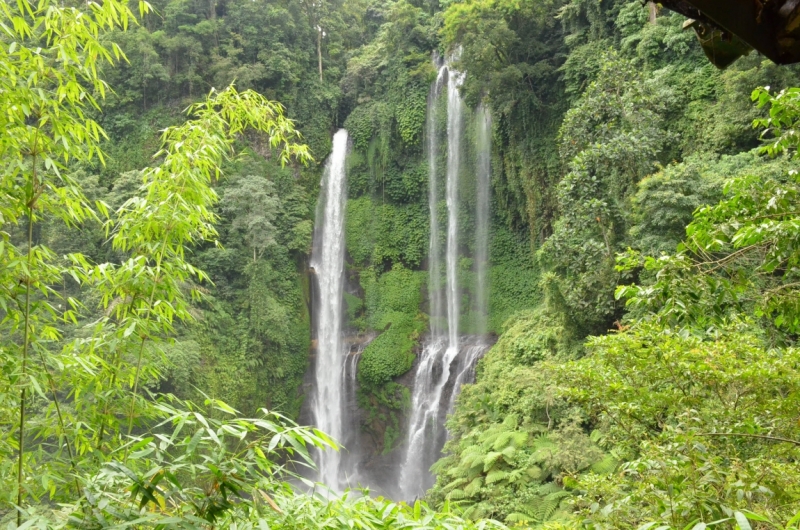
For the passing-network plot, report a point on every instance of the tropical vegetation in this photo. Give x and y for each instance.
(160, 168)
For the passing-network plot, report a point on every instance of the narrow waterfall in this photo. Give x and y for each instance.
(351, 467)
(434, 252)
(483, 148)
(455, 113)
(327, 262)
(440, 356)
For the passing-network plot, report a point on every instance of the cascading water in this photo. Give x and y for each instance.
(455, 113)
(434, 255)
(443, 365)
(483, 148)
(473, 350)
(351, 466)
(447, 360)
(327, 261)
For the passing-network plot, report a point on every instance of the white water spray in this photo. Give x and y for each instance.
(327, 261)
(455, 112)
(426, 432)
(483, 141)
(434, 252)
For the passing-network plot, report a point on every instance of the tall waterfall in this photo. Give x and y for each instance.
(434, 255)
(443, 364)
(483, 148)
(455, 113)
(327, 261)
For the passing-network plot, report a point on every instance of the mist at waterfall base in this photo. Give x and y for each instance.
(445, 358)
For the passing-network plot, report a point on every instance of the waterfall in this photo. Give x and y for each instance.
(441, 357)
(434, 256)
(327, 262)
(455, 112)
(351, 467)
(483, 148)
(447, 359)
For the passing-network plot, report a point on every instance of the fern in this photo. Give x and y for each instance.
(476, 511)
(535, 473)
(490, 460)
(443, 465)
(545, 504)
(496, 476)
(508, 453)
(458, 472)
(543, 448)
(511, 421)
(456, 483)
(502, 440)
(478, 461)
(474, 487)
(456, 495)
(518, 517)
(518, 476)
(606, 466)
(548, 489)
(546, 508)
(550, 504)
(520, 438)
(475, 472)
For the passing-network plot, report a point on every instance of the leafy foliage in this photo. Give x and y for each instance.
(662, 410)
(705, 426)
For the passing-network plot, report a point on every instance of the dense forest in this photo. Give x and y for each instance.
(159, 204)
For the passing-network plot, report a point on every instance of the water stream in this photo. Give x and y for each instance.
(434, 252)
(483, 148)
(447, 360)
(327, 262)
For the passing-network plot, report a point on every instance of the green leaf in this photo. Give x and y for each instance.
(741, 521)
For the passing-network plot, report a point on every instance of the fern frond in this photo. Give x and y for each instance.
(459, 472)
(502, 440)
(518, 476)
(490, 460)
(476, 511)
(511, 421)
(496, 476)
(557, 495)
(444, 465)
(546, 509)
(606, 466)
(456, 483)
(520, 438)
(477, 460)
(474, 487)
(475, 472)
(547, 489)
(543, 448)
(535, 473)
(518, 517)
(456, 495)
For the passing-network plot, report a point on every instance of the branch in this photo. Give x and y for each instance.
(760, 436)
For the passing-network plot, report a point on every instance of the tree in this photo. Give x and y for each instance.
(50, 80)
(609, 141)
(316, 10)
(253, 206)
(741, 254)
(49, 60)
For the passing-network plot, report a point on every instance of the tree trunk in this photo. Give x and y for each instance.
(319, 51)
(653, 11)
